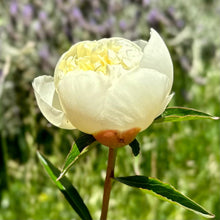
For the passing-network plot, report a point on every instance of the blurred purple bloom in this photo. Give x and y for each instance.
(153, 17)
(38, 29)
(171, 10)
(13, 8)
(76, 13)
(122, 24)
(44, 53)
(180, 23)
(111, 20)
(97, 12)
(146, 2)
(28, 11)
(101, 29)
(42, 16)
(92, 21)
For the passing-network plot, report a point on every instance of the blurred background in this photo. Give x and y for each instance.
(34, 34)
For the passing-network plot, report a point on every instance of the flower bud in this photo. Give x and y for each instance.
(111, 88)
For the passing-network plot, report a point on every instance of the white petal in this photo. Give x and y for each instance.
(141, 44)
(93, 102)
(157, 57)
(48, 102)
(137, 99)
(82, 94)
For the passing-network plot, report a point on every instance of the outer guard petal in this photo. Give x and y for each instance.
(136, 99)
(157, 57)
(48, 102)
(82, 94)
(95, 103)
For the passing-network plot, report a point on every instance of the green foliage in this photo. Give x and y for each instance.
(160, 189)
(174, 114)
(81, 145)
(65, 186)
(164, 191)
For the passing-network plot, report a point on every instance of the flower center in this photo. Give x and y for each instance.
(98, 55)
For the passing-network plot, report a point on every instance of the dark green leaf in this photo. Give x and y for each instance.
(135, 147)
(84, 140)
(183, 114)
(65, 186)
(164, 191)
(79, 148)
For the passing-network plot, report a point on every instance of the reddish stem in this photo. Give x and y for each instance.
(108, 182)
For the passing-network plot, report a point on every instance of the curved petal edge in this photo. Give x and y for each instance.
(156, 56)
(48, 102)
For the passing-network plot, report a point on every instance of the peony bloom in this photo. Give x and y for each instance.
(111, 88)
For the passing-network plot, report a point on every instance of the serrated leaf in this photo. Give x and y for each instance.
(78, 149)
(165, 192)
(65, 186)
(173, 114)
(135, 146)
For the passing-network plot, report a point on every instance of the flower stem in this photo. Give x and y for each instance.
(108, 182)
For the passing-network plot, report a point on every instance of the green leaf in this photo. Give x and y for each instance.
(79, 148)
(135, 146)
(173, 114)
(65, 186)
(164, 191)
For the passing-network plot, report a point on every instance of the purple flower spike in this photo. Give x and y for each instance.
(154, 17)
(28, 11)
(76, 13)
(43, 16)
(122, 24)
(13, 8)
(44, 53)
(180, 23)
(146, 2)
(171, 11)
(97, 12)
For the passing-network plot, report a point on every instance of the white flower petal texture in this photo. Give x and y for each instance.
(111, 88)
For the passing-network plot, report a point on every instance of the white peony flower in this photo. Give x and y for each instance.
(111, 88)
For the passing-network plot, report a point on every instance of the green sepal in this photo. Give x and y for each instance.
(135, 146)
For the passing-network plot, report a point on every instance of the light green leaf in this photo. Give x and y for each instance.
(164, 191)
(65, 186)
(173, 114)
(79, 148)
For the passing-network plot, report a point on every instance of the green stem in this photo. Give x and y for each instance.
(108, 182)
